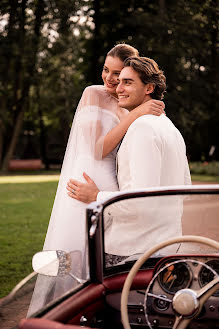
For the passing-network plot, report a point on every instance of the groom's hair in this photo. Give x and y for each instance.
(149, 72)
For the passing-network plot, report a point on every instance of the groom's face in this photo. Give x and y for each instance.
(131, 90)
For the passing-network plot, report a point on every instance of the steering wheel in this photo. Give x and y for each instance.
(185, 301)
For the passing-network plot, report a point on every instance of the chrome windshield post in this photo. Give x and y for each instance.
(95, 241)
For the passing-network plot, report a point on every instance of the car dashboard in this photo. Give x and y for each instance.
(170, 275)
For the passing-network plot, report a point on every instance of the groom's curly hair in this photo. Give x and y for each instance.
(149, 72)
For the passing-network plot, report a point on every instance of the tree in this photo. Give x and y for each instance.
(41, 36)
(51, 53)
(24, 67)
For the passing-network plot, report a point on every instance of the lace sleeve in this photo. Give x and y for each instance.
(94, 118)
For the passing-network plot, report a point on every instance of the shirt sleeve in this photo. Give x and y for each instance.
(104, 195)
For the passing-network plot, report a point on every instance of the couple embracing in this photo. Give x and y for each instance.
(152, 153)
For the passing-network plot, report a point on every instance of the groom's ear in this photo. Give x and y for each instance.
(149, 88)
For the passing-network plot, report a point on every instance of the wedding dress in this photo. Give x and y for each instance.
(96, 115)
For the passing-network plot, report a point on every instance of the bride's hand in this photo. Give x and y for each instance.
(84, 192)
(152, 106)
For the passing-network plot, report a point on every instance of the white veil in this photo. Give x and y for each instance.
(96, 115)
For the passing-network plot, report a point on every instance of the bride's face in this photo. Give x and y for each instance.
(110, 74)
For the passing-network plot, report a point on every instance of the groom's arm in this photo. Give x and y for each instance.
(103, 195)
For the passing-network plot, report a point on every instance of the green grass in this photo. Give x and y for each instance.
(25, 206)
(24, 215)
(205, 178)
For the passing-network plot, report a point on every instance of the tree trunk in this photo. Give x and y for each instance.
(29, 69)
(8, 59)
(43, 139)
(162, 8)
(16, 132)
(214, 122)
(1, 141)
(96, 41)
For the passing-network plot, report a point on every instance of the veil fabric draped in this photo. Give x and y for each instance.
(95, 116)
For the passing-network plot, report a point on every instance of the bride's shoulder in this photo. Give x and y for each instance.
(97, 95)
(95, 90)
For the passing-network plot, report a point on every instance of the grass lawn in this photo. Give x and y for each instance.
(205, 178)
(25, 206)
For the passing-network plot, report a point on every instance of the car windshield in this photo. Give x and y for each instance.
(134, 225)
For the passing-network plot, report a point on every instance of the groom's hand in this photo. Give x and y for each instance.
(84, 192)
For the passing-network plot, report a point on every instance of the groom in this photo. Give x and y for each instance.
(153, 151)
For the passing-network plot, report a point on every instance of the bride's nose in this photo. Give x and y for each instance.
(109, 77)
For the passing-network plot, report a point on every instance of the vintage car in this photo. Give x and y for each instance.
(168, 278)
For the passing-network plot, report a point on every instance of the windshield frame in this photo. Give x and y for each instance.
(98, 271)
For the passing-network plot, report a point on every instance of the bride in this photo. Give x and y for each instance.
(98, 127)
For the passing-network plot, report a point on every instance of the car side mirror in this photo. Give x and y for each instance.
(51, 263)
(56, 263)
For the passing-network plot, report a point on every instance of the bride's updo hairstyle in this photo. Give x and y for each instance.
(123, 51)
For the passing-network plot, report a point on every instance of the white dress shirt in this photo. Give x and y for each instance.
(152, 154)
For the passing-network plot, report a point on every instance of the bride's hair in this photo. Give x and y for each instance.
(123, 51)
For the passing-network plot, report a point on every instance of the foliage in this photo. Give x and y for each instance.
(40, 69)
(50, 50)
(205, 168)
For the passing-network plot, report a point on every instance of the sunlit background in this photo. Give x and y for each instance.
(50, 50)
